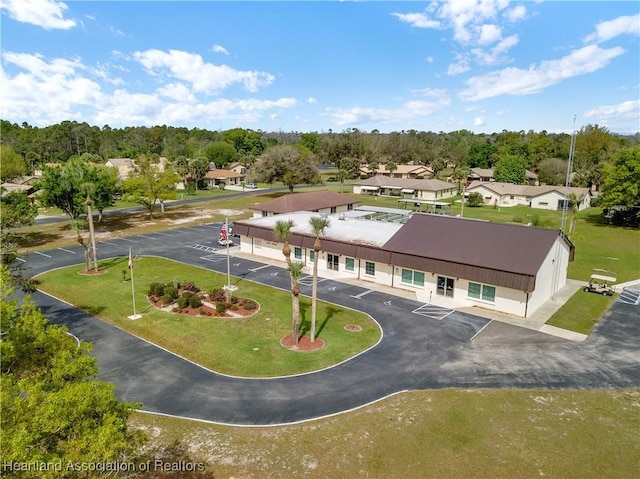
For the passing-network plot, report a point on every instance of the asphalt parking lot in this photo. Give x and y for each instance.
(423, 347)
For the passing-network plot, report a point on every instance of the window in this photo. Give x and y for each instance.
(370, 268)
(349, 207)
(334, 209)
(482, 291)
(312, 256)
(445, 286)
(265, 213)
(297, 253)
(415, 278)
(333, 261)
(349, 264)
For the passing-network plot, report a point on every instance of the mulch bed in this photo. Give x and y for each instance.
(207, 309)
(304, 343)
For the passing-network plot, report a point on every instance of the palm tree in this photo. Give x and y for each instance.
(295, 271)
(281, 233)
(574, 203)
(319, 226)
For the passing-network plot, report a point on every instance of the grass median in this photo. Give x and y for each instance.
(248, 347)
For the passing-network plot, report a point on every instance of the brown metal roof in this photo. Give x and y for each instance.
(308, 201)
(492, 253)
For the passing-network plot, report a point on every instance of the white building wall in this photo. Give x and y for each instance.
(507, 300)
(545, 279)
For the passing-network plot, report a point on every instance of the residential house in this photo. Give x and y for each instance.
(541, 197)
(406, 188)
(324, 201)
(486, 174)
(401, 171)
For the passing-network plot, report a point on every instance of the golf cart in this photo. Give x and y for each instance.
(600, 285)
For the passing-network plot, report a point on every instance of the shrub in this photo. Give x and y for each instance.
(183, 301)
(195, 301)
(475, 199)
(153, 287)
(234, 299)
(171, 291)
(216, 295)
(221, 307)
(166, 300)
(249, 304)
(234, 307)
(201, 311)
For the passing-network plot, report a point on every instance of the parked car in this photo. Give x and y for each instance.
(600, 285)
(250, 186)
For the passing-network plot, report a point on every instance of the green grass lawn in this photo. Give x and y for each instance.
(428, 434)
(238, 346)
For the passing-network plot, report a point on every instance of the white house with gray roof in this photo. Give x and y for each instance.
(541, 197)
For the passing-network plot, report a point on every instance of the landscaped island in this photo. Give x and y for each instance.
(235, 344)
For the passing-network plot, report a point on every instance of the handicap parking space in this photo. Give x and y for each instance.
(433, 311)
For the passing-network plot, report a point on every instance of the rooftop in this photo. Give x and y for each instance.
(308, 201)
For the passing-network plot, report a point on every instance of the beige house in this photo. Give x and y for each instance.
(541, 197)
(213, 178)
(324, 201)
(406, 188)
(486, 174)
(401, 171)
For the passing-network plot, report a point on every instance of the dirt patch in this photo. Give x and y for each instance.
(353, 328)
(91, 272)
(304, 343)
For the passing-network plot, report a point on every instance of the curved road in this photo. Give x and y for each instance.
(421, 348)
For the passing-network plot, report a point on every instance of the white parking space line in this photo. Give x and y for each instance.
(364, 293)
(259, 267)
(481, 329)
(629, 296)
(434, 312)
(202, 247)
(23, 260)
(106, 242)
(126, 239)
(42, 254)
(150, 237)
(308, 280)
(214, 258)
(162, 234)
(68, 251)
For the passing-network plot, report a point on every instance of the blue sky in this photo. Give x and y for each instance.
(484, 66)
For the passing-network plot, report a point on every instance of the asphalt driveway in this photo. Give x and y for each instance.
(417, 351)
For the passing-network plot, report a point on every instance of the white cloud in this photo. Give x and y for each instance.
(478, 121)
(203, 77)
(625, 110)
(48, 14)
(517, 81)
(613, 28)
(489, 34)
(311, 100)
(219, 49)
(418, 20)
(45, 92)
(519, 12)
(408, 111)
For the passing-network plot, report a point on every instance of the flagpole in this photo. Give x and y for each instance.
(133, 290)
(229, 288)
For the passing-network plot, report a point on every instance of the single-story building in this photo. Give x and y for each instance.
(323, 201)
(405, 188)
(541, 197)
(213, 178)
(401, 171)
(447, 261)
(486, 174)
